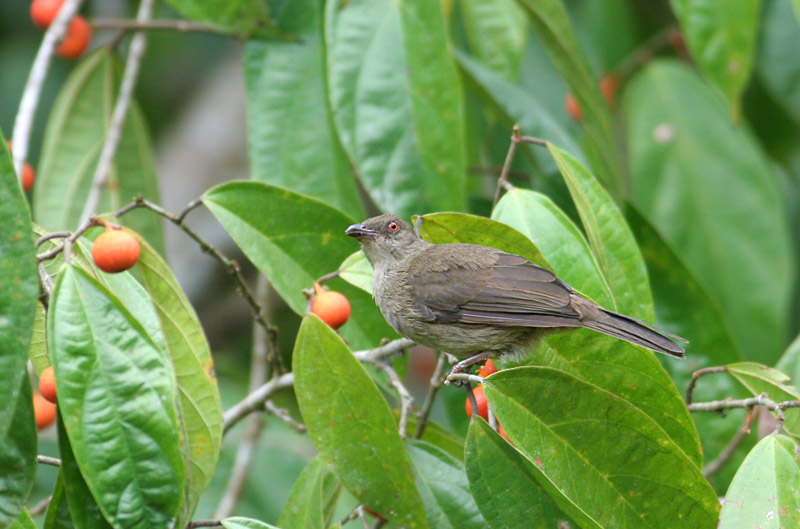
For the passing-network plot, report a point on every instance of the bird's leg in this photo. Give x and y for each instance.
(465, 364)
(472, 402)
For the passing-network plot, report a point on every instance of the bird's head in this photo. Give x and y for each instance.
(386, 239)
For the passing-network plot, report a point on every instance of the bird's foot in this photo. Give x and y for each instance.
(458, 375)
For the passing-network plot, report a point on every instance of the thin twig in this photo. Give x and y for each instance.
(40, 507)
(150, 25)
(722, 459)
(645, 52)
(406, 400)
(696, 376)
(433, 389)
(23, 123)
(255, 400)
(395, 347)
(204, 523)
(285, 416)
(47, 460)
(254, 423)
(54, 235)
(463, 376)
(516, 139)
(762, 400)
(114, 132)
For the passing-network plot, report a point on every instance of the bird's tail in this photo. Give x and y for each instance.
(636, 332)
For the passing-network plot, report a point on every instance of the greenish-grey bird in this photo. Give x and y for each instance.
(476, 301)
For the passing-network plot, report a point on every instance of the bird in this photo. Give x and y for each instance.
(477, 302)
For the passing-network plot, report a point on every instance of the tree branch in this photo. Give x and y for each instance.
(406, 400)
(741, 434)
(433, 389)
(114, 133)
(150, 25)
(696, 376)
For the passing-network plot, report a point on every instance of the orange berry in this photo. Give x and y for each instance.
(480, 399)
(115, 250)
(573, 109)
(43, 12)
(332, 307)
(77, 39)
(47, 384)
(44, 411)
(487, 369)
(502, 433)
(28, 176)
(608, 86)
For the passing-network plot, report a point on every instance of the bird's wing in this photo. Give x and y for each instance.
(463, 283)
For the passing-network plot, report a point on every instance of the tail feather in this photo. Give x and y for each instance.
(636, 332)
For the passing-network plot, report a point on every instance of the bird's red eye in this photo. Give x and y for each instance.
(393, 226)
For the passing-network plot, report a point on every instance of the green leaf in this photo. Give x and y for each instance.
(240, 17)
(519, 105)
(239, 522)
(117, 397)
(539, 219)
(291, 137)
(764, 492)
(37, 351)
(76, 130)
(19, 292)
(722, 40)
(305, 507)
(23, 521)
(18, 443)
(790, 361)
(436, 435)
(777, 63)
(199, 405)
(603, 461)
(397, 102)
(549, 19)
(443, 485)
(440, 228)
(293, 240)
(504, 485)
(83, 509)
(689, 162)
(758, 379)
(351, 425)
(496, 31)
(610, 238)
(357, 271)
(58, 515)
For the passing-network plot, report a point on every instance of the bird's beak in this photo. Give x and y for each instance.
(360, 231)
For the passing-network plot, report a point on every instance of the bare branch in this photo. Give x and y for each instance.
(741, 434)
(516, 139)
(114, 133)
(406, 400)
(761, 400)
(433, 389)
(47, 460)
(40, 507)
(696, 376)
(23, 123)
(255, 400)
(150, 25)
(285, 416)
(373, 356)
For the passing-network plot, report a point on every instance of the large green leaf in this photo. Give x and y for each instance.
(539, 219)
(199, 405)
(75, 133)
(239, 522)
(504, 485)
(58, 515)
(709, 189)
(293, 240)
(758, 379)
(18, 443)
(351, 425)
(604, 462)
(291, 138)
(778, 64)
(443, 485)
(17, 310)
(623, 369)
(397, 102)
(23, 521)
(549, 18)
(764, 493)
(83, 509)
(496, 31)
(242, 17)
(117, 397)
(610, 238)
(441, 228)
(684, 307)
(721, 37)
(790, 361)
(305, 507)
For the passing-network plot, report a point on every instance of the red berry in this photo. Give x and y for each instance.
(573, 109)
(47, 384)
(115, 250)
(480, 399)
(28, 174)
(43, 12)
(332, 307)
(608, 86)
(487, 369)
(43, 411)
(77, 39)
